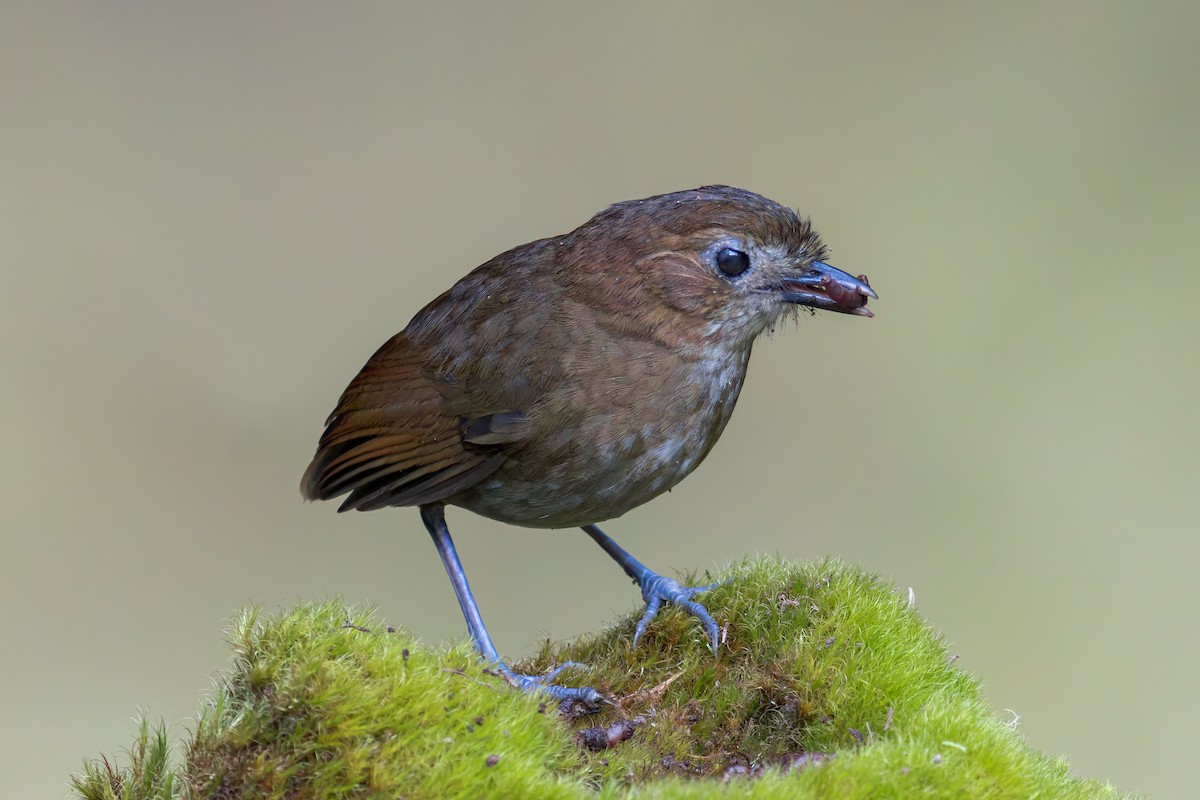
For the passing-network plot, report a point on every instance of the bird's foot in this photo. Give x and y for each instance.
(658, 589)
(538, 683)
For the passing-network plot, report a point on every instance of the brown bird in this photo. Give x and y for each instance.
(573, 378)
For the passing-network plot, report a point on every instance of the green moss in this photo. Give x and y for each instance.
(148, 775)
(324, 702)
(826, 684)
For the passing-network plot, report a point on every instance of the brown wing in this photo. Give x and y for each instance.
(392, 442)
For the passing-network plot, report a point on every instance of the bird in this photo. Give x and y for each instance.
(568, 380)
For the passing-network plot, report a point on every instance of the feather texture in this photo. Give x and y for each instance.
(392, 441)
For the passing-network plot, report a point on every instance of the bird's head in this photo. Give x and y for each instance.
(728, 261)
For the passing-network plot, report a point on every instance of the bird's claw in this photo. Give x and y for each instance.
(658, 589)
(538, 683)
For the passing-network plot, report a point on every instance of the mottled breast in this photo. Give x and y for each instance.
(629, 439)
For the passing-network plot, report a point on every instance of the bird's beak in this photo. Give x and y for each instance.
(825, 287)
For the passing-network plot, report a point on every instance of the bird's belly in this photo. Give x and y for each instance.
(582, 490)
(608, 463)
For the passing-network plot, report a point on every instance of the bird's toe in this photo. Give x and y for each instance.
(658, 589)
(541, 683)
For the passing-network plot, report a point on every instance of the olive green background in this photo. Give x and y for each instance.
(212, 213)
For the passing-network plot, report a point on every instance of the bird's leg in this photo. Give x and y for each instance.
(435, 521)
(656, 589)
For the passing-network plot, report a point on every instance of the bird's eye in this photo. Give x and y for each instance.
(732, 262)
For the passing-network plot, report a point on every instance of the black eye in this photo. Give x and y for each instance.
(732, 262)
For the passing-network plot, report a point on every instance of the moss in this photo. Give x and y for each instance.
(826, 684)
(148, 775)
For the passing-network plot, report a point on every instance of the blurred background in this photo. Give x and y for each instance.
(213, 213)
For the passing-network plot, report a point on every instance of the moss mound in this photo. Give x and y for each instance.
(826, 684)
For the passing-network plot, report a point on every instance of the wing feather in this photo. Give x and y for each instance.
(392, 441)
